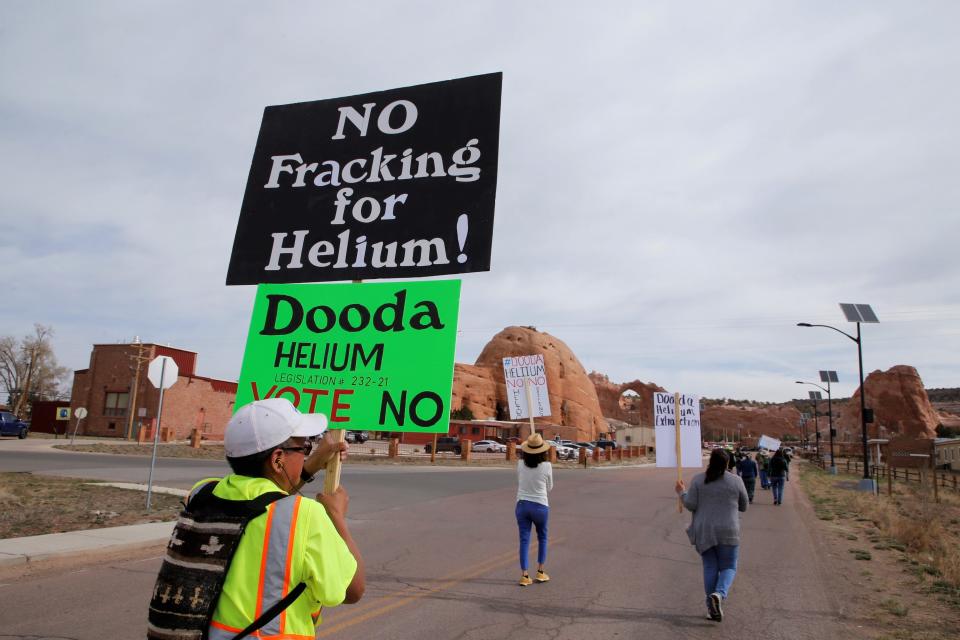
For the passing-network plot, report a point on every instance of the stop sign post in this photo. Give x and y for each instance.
(162, 373)
(79, 413)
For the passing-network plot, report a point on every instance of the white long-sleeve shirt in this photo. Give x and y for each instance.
(533, 484)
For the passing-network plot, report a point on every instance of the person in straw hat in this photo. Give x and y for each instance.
(534, 481)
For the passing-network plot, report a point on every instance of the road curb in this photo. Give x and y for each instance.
(51, 546)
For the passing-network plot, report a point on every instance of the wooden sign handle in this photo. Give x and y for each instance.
(526, 386)
(676, 426)
(331, 479)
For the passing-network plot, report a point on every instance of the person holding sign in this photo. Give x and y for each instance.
(280, 551)
(534, 481)
(715, 497)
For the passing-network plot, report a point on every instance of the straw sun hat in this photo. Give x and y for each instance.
(534, 444)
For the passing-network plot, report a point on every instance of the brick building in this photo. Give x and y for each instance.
(106, 390)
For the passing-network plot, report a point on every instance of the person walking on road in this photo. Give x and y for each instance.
(779, 474)
(763, 461)
(715, 498)
(534, 481)
(747, 470)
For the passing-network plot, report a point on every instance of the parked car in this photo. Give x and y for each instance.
(563, 452)
(606, 444)
(11, 425)
(486, 446)
(576, 446)
(445, 443)
(358, 437)
(588, 446)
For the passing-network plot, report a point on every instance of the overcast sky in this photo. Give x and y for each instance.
(679, 183)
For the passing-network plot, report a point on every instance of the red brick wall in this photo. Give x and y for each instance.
(193, 402)
(43, 417)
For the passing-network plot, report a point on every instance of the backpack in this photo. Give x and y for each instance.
(191, 577)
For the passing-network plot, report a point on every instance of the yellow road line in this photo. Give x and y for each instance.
(412, 594)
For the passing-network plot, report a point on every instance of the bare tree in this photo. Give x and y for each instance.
(29, 369)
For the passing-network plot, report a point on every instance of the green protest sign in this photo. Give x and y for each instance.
(375, 356)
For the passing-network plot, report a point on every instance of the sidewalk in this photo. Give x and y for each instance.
(14, 551)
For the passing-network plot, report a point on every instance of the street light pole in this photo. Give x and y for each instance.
(863, 409)
(833, 461)
(857, 313)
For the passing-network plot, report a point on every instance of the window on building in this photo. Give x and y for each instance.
(115, 403)
(476, 430)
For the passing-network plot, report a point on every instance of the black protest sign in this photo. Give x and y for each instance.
(392, 184)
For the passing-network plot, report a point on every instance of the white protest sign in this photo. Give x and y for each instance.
(520, 372)
(664, 415)
(766, 442)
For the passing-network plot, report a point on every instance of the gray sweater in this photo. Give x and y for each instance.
(714, 506)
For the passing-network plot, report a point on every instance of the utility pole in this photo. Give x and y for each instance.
(25, 392)
(138, 359)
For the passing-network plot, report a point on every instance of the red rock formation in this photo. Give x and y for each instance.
(775, 421)
(635, 410)
(573, 398)
(476, 389)
(900, 406)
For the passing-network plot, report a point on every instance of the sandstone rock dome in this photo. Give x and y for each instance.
(573, 398)
(900, 406)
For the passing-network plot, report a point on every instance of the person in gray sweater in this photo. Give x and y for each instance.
(715, 498)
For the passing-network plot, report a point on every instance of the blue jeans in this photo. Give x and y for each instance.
(764, 481)
(719, 569)
(532, 513)
(777, 483)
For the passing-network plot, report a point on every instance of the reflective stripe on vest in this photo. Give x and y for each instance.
(275, 566)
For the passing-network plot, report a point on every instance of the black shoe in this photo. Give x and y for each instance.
(716, 609)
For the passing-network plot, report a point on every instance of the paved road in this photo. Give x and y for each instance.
(440, 548)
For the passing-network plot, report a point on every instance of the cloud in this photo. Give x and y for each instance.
(676, 189)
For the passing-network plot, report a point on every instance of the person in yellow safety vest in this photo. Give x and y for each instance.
(268, 446)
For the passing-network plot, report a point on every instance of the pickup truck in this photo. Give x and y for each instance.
(11, 425)
(445, 444)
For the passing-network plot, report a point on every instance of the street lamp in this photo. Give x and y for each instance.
(815, 395)
(857, 313)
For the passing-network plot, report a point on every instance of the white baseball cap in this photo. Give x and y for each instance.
(265, 424)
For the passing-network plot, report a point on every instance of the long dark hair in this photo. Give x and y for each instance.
(717, 465)
(533, 459)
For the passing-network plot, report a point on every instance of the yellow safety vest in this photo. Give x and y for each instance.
(293, 542)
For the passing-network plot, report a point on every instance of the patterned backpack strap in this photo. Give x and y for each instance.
(199, 553)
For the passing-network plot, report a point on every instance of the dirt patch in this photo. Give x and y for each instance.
(897, 555)
(206, 452)
(33, 505)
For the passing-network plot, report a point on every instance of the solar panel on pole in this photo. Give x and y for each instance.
(828, 376)
(858, 312)
(815, 395)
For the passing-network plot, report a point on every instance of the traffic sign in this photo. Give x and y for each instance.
(80, 413)
(162, 372)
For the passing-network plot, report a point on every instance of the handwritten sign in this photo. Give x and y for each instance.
(519, 371)
(664, 422)
(766, 442)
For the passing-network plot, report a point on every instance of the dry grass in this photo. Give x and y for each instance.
(33, 505)
(910, 521)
